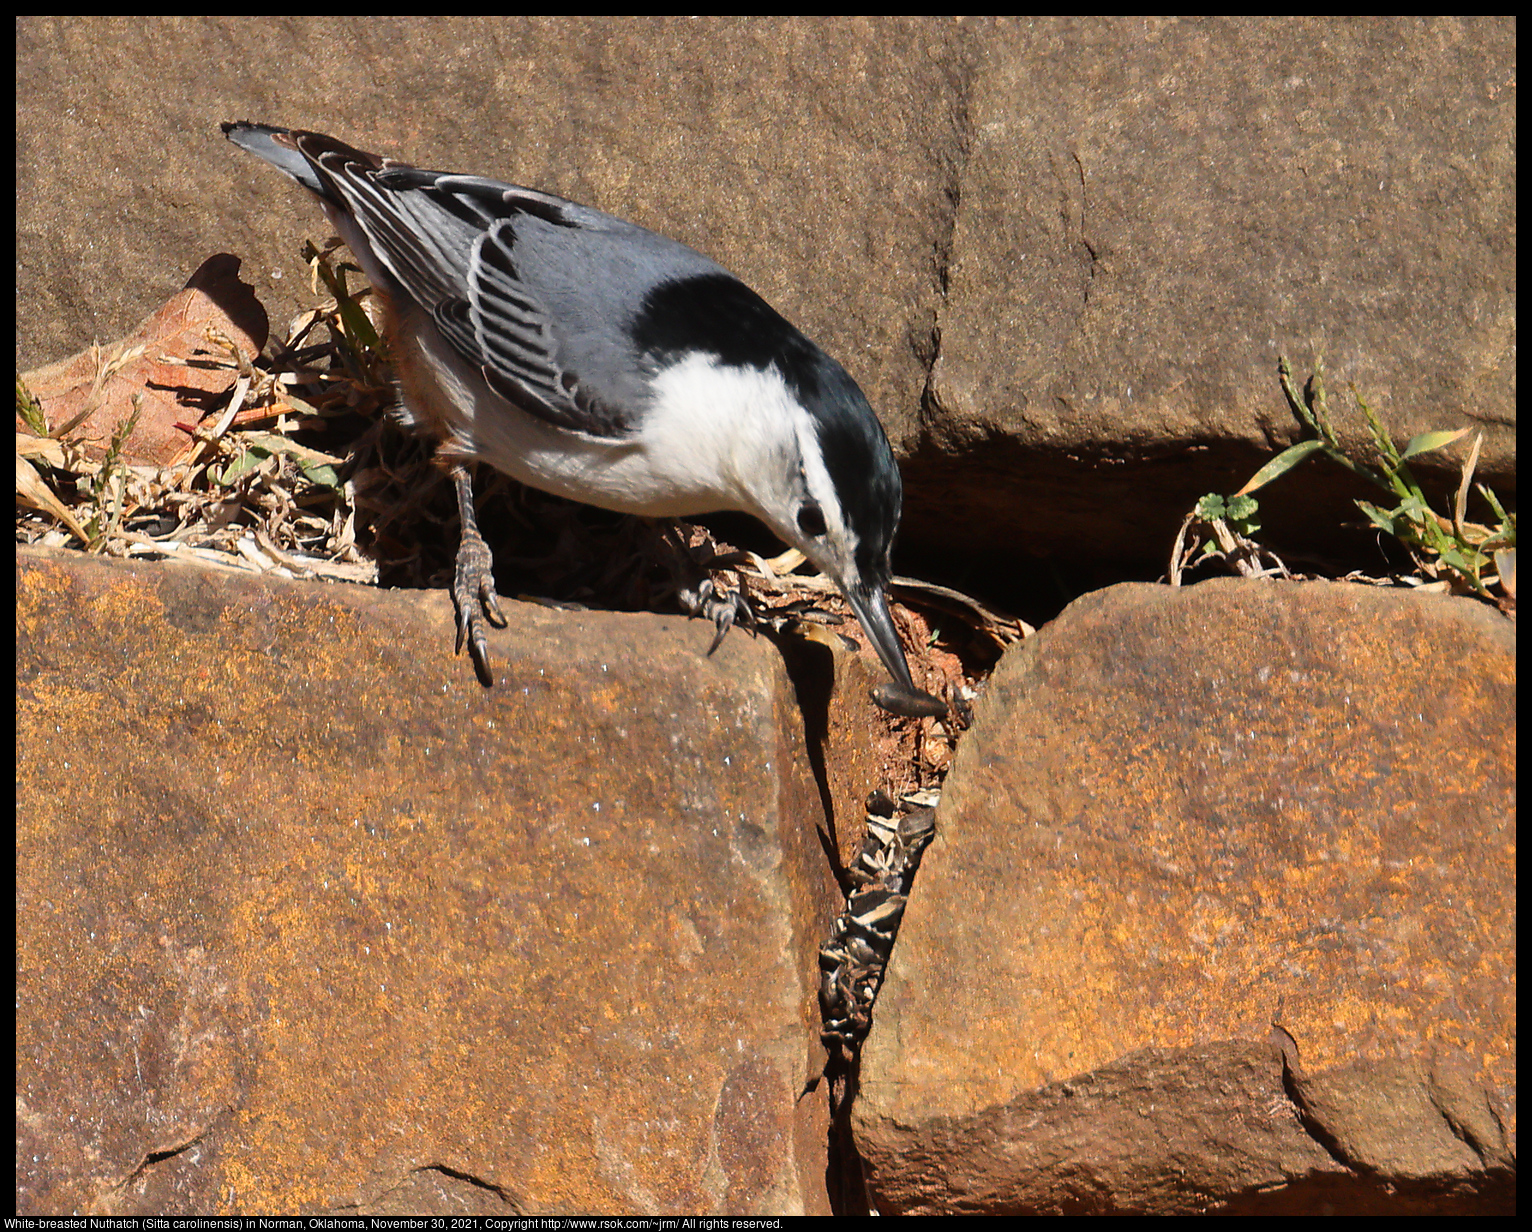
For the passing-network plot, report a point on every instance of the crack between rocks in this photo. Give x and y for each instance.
(1095, 261)
(1484, 1152)
(946, 240)
(1311, 1123)
(155, 1157)
(477, 1182)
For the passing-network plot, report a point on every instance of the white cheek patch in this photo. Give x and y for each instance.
(740, 423)
(746, 425)
(821, 489)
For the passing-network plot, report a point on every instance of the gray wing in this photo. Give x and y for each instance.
(533, 290)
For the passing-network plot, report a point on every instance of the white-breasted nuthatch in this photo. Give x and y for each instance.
(594, 359)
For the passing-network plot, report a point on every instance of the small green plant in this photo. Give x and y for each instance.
(39, 449)
(1467, 555)
(105, 485)
(109, 486)
(30, 410)
(361, 346)
(256, 447)
(245, 491)
(1463, 555)
(1238, 511)
(1223, 528)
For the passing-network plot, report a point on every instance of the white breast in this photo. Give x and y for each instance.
(712, 439)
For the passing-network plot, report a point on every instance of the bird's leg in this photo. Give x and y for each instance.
(473, 584)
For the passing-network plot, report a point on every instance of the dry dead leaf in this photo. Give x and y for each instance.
(32, 492)
(169, 359)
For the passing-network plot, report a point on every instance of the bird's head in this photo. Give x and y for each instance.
(841, 508)
(798, 446)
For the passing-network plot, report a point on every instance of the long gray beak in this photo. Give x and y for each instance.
(901, 697)
(871, 608)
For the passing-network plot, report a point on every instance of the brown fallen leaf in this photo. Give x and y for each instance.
(169, 359)
(32, 492)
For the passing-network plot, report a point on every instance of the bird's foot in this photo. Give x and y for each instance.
(708, 601)
(473, 584)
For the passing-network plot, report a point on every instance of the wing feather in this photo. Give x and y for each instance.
(449, 242)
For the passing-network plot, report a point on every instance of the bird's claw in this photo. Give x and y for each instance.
(473, 593)
(723, 610)
(473, 585)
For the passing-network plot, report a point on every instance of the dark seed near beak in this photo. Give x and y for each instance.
(908, 703)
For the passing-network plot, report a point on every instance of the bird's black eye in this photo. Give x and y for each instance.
(811, 520)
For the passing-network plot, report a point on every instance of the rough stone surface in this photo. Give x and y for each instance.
(308, 921)
(1273, 816)
(814, 158)
(1153, 209)
(1060, 254)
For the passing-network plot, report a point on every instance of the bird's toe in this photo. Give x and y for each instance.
(473, 594)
